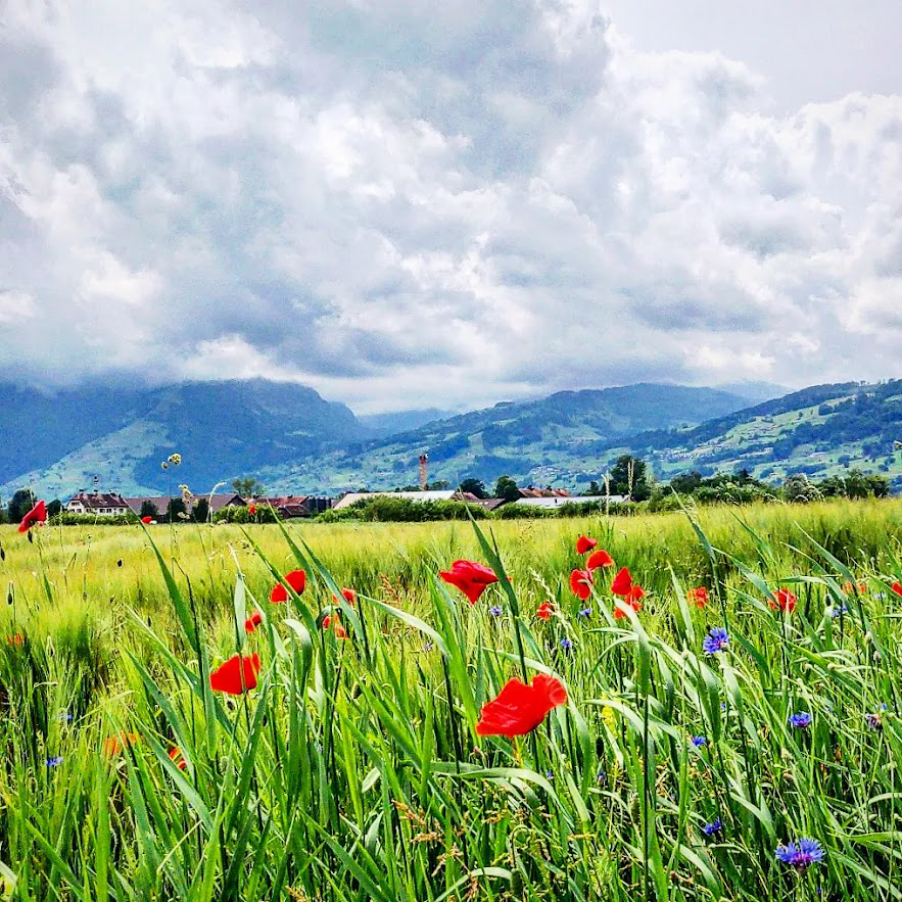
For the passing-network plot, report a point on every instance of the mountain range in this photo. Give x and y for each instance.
(58, 443)
(295, 441)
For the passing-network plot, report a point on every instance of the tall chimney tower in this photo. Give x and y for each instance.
(424, 459)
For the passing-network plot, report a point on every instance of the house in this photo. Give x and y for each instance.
(443, 495)
(101, 504)
(218, 502)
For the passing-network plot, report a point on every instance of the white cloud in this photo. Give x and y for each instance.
(16, 305)
(402, 205)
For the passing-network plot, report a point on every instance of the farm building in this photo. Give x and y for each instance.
(103, 504)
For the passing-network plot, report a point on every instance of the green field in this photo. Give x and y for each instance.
(353, 770)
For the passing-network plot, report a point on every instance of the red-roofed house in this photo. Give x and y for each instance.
(102, 504)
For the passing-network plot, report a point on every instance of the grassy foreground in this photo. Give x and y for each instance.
(353, 770)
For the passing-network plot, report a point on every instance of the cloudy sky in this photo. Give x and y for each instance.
(408, 204)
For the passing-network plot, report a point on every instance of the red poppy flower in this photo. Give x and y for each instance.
(16, 639)
(624, 586)
(253, 622)
(584, 544)
(350, 596)
(546, 609)
(175, 755)
(146, 520)
(117, 742)
(297, 579)
(623, 582)
(581, 583)
(227, 677)
(631, 601)
(784, 600)
(38, 514)
(470, 577)
(698, 596)
(897, 588)
(336, 624)
(851, 588)
(520, 708)
(252, 509)
(598, 559)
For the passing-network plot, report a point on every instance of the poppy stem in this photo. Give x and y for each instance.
(458, 752)
(520, 650)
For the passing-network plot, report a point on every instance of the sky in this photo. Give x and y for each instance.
(408, 204)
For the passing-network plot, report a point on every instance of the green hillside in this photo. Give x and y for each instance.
(820, 431)
(221, 429)
(293, 440)
(547, 440)
(572, 438)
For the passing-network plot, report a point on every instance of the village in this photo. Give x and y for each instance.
(291, 507)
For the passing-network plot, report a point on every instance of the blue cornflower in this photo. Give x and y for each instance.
(713, 828)
(873, 721)
(699, 741)
(800, 854)
(585, 612)
(601, 777)
(549, 774)
(65, 715)
(716, 640)
(566, 644)
(54, 762)
(428, 646)
(838, 611)
(496, 610)
(800, 721)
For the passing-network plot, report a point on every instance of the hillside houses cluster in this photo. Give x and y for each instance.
(289, 507)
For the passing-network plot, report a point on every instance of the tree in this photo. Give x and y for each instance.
(22, 502)
(507, 489)
(440, 485)
(176, 506)
(686, 483)
(628, 477)
(248, 486)
(200, 513)
(800, 489)
(149, 509)
(474, 486)
(54, 508)
(855, 484)
(879, 485)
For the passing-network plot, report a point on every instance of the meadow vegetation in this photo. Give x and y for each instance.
(686, 764)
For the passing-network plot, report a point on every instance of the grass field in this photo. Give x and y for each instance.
(353, 769)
